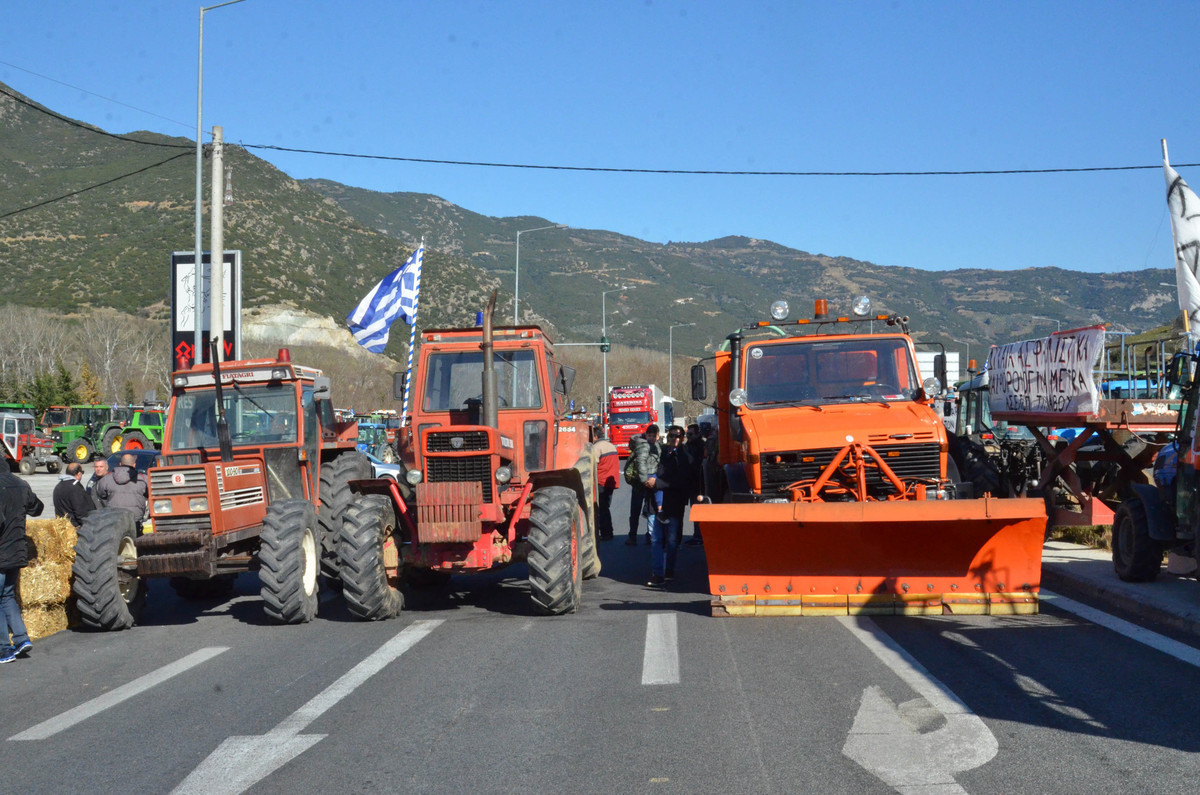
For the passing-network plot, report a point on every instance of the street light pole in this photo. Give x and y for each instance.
(198, 251)
(671, 355)
(517, 270)
(604, 332)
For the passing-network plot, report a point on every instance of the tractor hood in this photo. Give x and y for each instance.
(808, 427)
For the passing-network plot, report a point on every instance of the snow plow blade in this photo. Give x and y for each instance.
(920, 557)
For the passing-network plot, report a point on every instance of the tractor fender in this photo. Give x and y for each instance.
(1159, 523)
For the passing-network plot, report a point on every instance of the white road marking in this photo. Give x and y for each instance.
(66, 720)
(888, 740)
(1180, 651)
(660, 662)
(240, 762)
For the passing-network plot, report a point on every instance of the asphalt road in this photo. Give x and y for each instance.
(641, 691)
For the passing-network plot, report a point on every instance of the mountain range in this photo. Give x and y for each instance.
(89, 219)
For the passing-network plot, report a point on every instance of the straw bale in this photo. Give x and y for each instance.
(46, 620)
(53, 540)
(44, 584)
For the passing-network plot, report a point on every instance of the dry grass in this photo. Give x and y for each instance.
(44, 590)
(1095, 536)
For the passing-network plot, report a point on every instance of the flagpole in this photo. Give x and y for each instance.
(412, 341)
(1167, 162)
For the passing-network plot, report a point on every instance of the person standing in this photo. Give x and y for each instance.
(17, 501)
(694, 443)
(99, 470)
(644, 449)
(124, 488)
(70, 498)
(608, 480)
(671, 488)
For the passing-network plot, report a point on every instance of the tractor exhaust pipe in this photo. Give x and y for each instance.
(491, 389)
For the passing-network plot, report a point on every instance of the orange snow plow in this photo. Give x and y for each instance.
(834, 494)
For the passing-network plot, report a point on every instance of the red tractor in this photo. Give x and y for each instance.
(254, 474)
(495, 473)
(24, 446)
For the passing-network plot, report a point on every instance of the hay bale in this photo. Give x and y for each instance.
(53, 540)
(44, 620)
(44, 584)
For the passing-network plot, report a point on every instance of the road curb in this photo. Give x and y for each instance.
(1118, 599)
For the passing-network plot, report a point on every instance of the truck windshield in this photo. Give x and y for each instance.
(257, 414)
(54, 417)
(630, 418)
(454, 379)
(833, 372)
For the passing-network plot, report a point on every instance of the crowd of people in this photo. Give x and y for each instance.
(665, 476)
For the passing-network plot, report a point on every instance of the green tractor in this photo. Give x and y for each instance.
(79, 431)
(143, 431)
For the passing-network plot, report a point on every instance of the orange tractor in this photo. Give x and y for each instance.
(493, 473)
(834, 492)
(254, 474)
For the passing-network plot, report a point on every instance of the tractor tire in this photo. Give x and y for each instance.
(112, 442)
(1136, 556)
(555, 574)
(202, 590)
(335, 497)
(53, 466)
(108, 598)
(589, 558)
(386, 453)
(367, 528)
(80, 451)
(135, 440)
(289, 558)
(27, 466)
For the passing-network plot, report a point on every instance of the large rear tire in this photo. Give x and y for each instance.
(136, 440)
(555, 527)
(80, 451)
(289, 559)
(108, 597)
(589, 558)
(368, 527)
(1136, 556)
(335, 497)
(112, 441)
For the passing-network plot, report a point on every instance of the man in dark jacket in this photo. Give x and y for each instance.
(671, 488)
(644, 449)
(124, 488)
(16, 501)
(70, 498)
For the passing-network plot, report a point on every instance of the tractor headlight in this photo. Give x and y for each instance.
(180, 380)
(503, 474)
(862, 307)
(414, 476)
(737, 397)
(779, 310)
(162, 506)
(932, 386)
(198, 504)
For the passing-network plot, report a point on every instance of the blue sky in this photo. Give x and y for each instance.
(658, 84)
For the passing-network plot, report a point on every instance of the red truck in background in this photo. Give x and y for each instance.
(632, 408)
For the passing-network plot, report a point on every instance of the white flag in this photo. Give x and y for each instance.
(1184, 206)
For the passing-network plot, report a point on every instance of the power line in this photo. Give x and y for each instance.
(92, 187)
(82, 126)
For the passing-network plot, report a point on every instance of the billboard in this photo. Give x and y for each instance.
(183, 306)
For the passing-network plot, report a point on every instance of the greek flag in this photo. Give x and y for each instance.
(394, 297)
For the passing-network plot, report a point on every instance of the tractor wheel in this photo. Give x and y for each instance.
(335, 497)
(53, 466)
(80, 451)
(367, 533)
(135, 440)
(108, 597)
(112, 441)
(27, 466)
(215, 588)
(289, 558)
(589, 558)
(555, 527)
(1136, 556)
(386, 453)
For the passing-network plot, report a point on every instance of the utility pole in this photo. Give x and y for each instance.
(217, 322)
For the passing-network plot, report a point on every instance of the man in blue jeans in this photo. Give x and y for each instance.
(667, 499)
(16, 500)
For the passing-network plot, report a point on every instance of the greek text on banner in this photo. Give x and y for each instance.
(1051, 375)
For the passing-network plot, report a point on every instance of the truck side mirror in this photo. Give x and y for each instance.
(565, 380)
(939, 369)
(321, 387)
(1179, 370)
(699, 382)
(397, 386)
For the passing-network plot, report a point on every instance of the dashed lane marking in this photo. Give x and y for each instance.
(660, 661)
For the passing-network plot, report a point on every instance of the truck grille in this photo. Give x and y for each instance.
(163, 481)
(461, 469)
(442, 442)
(913, 461)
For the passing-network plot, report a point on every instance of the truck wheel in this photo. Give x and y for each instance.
(335, 496)
(1136, 556)
(135, 440)
(589, 558)
(27, 466)
(52, 466)
(215, 588)
(81, 451)
(108, 597)
(289, 558)
(367, 529)
(112, 441)
(555, 527)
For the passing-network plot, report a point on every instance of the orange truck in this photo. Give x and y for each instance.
(494, 472)
(835, 494)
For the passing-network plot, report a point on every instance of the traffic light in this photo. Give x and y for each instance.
(605, 346)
